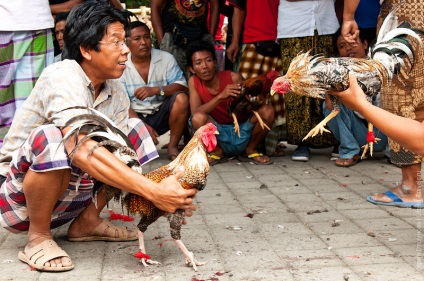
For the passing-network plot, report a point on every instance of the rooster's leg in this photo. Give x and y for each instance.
(320, 127)
(190, 261)
(370, 141)
(144, 261)
(261, 122)
(236, 125)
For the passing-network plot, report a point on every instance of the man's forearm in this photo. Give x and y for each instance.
(350, 9)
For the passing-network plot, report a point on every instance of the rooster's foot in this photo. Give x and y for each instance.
(369, 145)
(319, 129)
(236, 125)
(191, 262)
(260, 121)
(146, 262)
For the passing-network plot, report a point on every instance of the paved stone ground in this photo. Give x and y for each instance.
(287, 221)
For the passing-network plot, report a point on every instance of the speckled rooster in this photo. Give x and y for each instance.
(193, 158)
(313, 76)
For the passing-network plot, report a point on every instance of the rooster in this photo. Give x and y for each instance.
(193, 158)
(252, 95)
(313, 76)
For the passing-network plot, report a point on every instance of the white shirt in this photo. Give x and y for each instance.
(301, 18)
(19, 15)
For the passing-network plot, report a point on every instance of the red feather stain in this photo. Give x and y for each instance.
(114, 216)
(249, 215)
(343, 184)
(141, 255)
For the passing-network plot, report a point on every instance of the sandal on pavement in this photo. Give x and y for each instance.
(44, 252)
(347, 162)
(253, 158)
(397, 202)
(215, 159)
(106, 231)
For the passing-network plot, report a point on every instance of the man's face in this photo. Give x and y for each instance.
(59, 28)
(109, 62)
(140, 42)
(355, 50)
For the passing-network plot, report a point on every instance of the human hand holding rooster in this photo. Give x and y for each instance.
(170, 196)
(231, 90)
(354, 97)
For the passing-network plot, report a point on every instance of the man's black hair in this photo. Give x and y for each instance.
(86, 25)
(61, 16)
(197, 46)
(137, 23)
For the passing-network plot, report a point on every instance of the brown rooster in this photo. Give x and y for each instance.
(313, 76)
(253, 93)
(193, 158)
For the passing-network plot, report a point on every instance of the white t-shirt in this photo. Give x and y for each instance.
(301, 18)
(19, 15)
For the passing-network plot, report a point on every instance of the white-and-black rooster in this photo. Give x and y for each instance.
(313, 76)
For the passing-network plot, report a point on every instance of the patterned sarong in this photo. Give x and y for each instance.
(405, 95)
(23, 56)
(43, 152)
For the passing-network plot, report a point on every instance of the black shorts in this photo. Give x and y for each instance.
(160, 119)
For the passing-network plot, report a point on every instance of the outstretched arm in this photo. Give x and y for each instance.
(407, 132)
(168, 195)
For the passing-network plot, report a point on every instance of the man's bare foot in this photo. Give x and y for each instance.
(403, 192)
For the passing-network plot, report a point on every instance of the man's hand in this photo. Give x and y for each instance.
(232, 51)
(170, 196)
(353, 97)
(231, 90)
(350, 31)
(145, 92)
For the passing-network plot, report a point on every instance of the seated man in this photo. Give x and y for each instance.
(349, 127)
(40, 188)
(156, 87)
(210, 92)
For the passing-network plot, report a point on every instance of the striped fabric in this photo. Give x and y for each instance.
(23, 56)
(43, 152)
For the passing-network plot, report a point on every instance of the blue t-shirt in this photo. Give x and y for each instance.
(366, 14)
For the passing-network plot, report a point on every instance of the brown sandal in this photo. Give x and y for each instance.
(347, 162)
(106, 231)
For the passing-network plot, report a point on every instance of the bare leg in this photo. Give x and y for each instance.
(409, 190)
(177, 122)
(236, 124)
(89, 219)
(42, 190)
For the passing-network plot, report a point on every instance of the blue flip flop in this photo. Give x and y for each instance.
(397, 202)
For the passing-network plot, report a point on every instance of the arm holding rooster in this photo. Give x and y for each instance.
(405, 131)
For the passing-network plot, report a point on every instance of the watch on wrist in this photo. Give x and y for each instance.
(162, 92)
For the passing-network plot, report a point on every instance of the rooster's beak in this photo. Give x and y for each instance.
(272, 92)
(216, 133)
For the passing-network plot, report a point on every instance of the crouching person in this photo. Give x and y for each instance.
(40, 188)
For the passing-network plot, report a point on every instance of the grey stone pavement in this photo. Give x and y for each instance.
(287, 221)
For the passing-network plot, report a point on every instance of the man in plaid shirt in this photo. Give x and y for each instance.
(40, 188)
